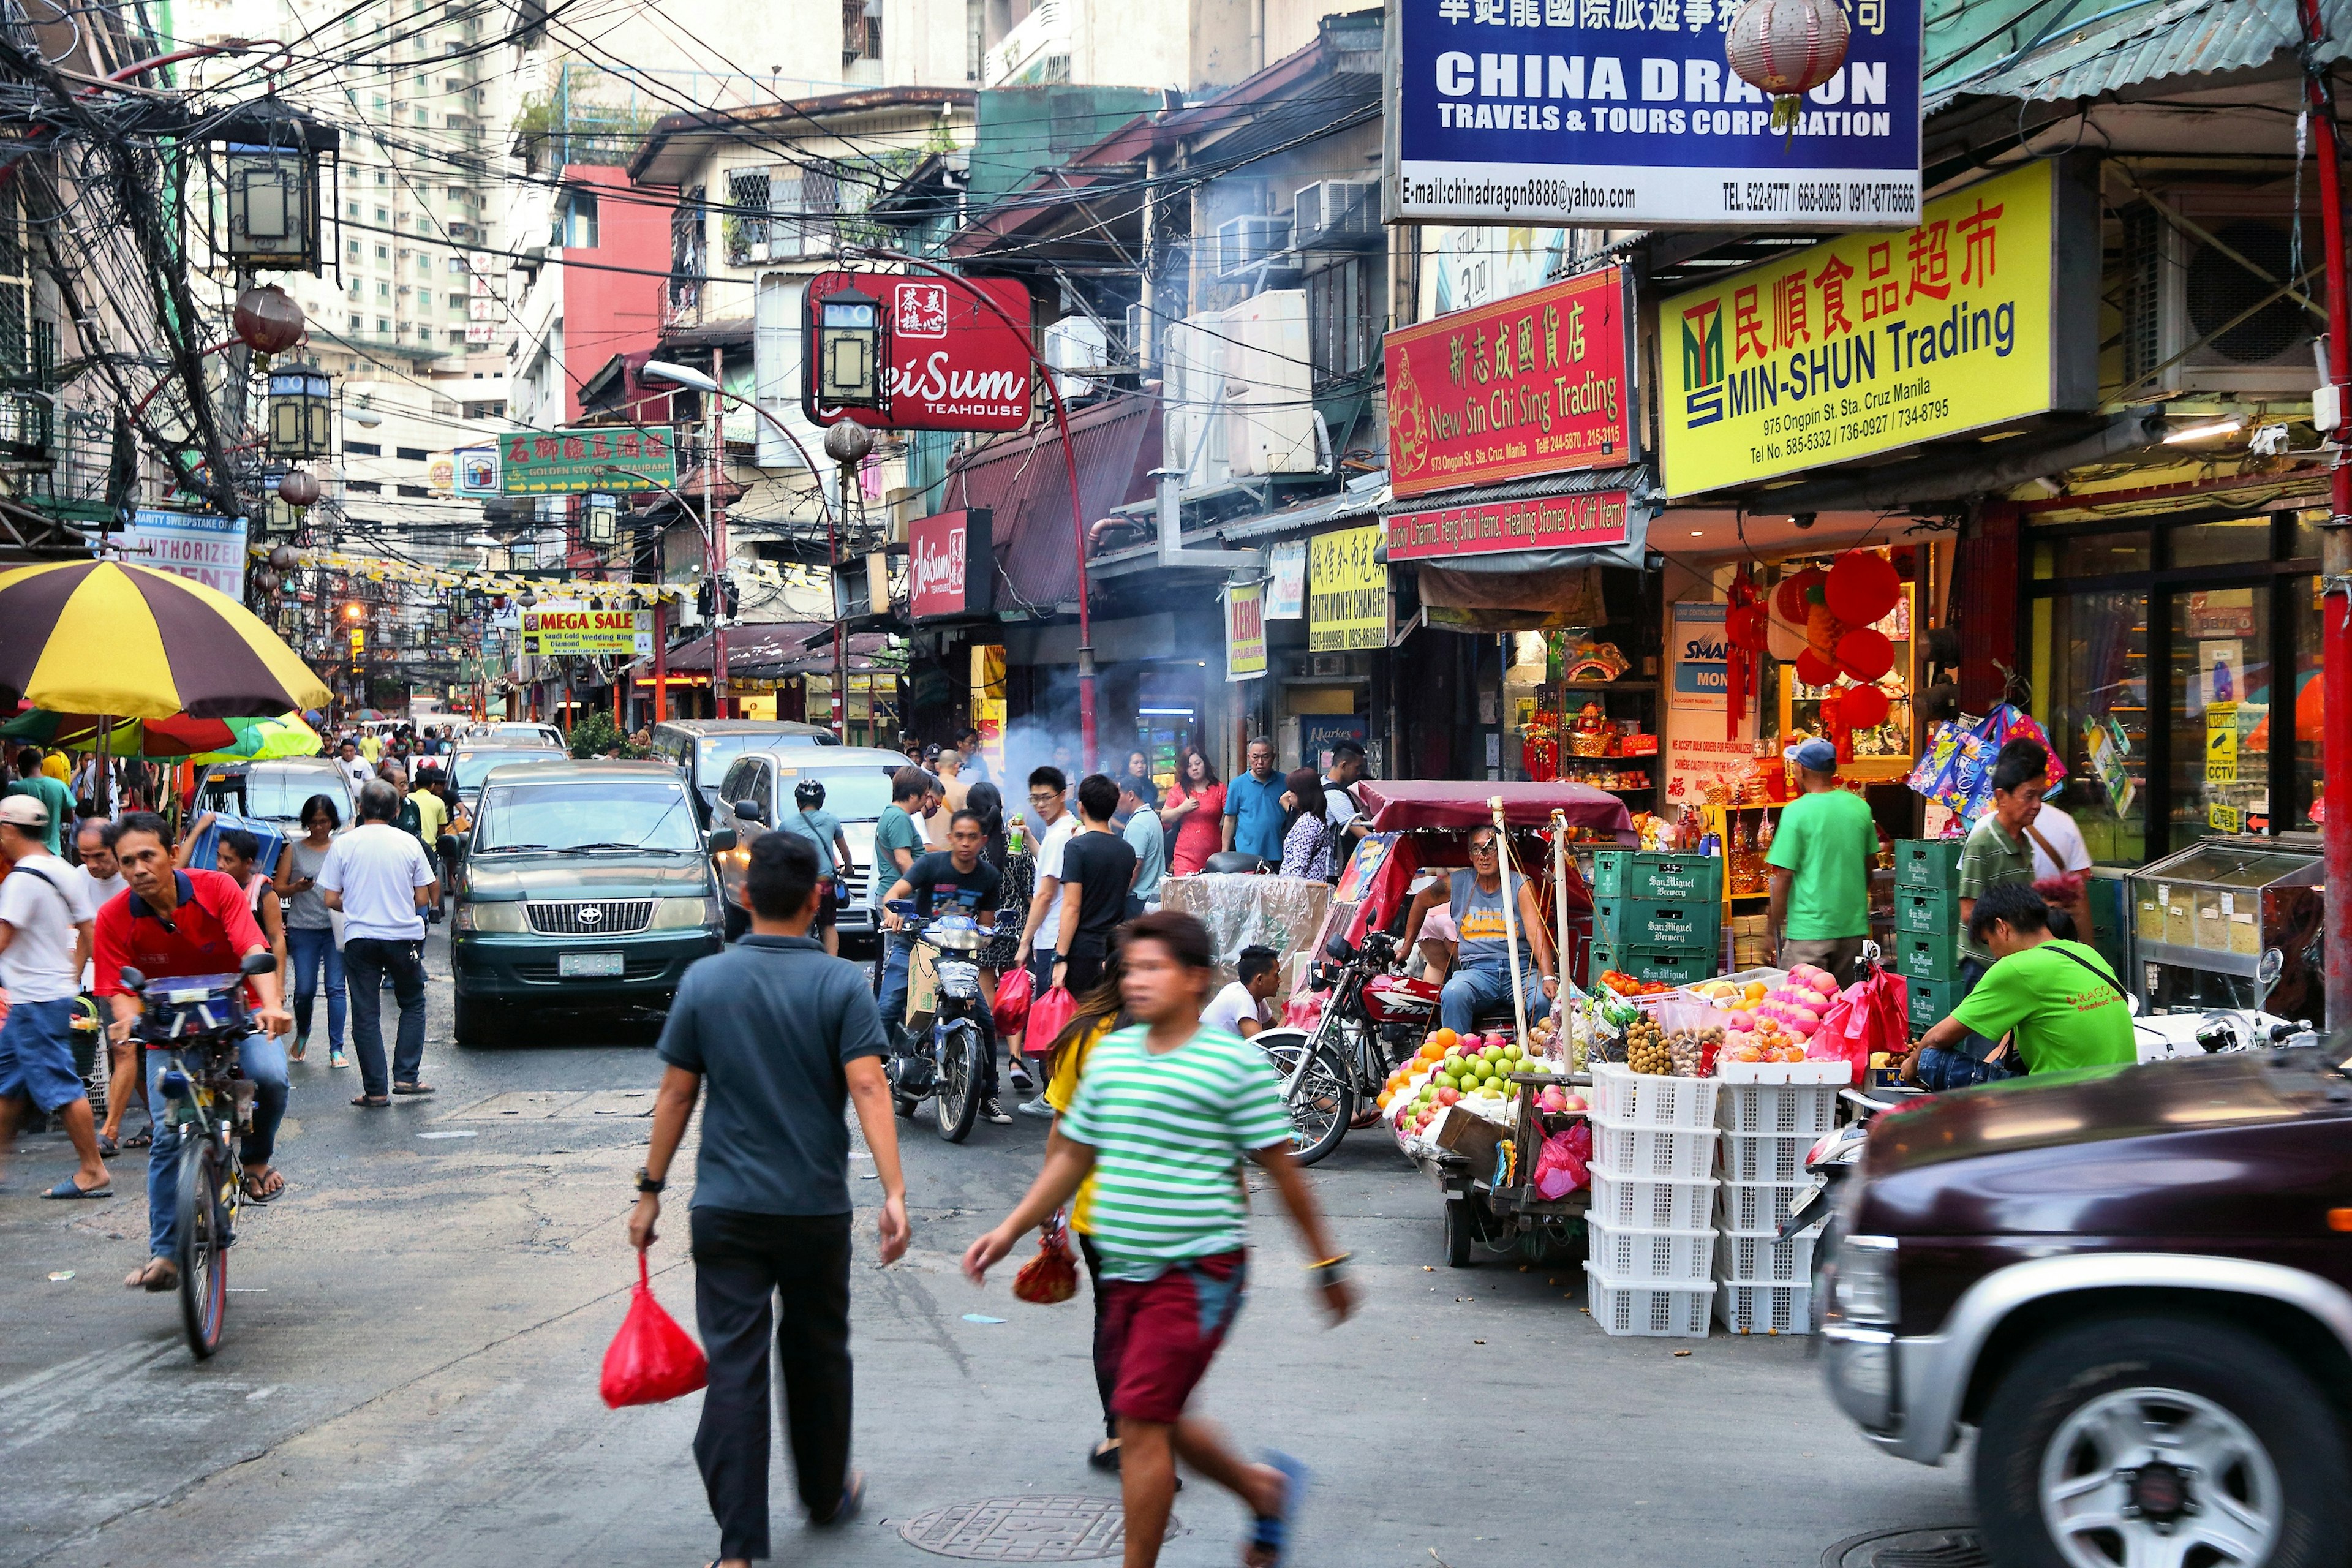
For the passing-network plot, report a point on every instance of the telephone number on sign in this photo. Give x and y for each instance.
(1921, 413)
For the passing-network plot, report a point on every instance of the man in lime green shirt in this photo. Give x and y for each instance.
(56, 799)
(2059, 1005)
(1819, 862)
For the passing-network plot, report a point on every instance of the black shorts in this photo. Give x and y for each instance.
(824, 917)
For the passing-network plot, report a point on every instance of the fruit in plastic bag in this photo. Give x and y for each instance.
(651, 1360)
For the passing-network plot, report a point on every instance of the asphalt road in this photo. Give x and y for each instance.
(410, 1373)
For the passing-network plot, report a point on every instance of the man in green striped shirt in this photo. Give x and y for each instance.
(1164, 1115)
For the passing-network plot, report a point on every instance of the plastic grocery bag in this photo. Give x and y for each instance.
(1868, 1015)
(1051, 1275)
(1048, 1016)
(1013, 989)
(1564, 1163)
(651, 1359)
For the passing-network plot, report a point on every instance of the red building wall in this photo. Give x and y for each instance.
(612, 295)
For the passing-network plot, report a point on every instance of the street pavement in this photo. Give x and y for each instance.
(413, 1348)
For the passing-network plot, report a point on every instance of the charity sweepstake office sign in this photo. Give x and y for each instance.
(1876, 343)
(1531, 384)
(560, 462)
(1582, 521)
(1347, 592)
(563, 630)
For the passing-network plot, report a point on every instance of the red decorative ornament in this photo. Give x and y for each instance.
(299, 487)
(1863, 586)
(1790, 598)
(1744, 624)
(1747, 613)
(268, 319)
(1865, 654)
(1813, 669)
(1783, 47)
(1863, 707)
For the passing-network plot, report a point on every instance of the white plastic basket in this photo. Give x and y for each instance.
(1761, 1258)
(1836, 1072)
(1650, 1099)
(1755, 1157)
(1669, 1312)
(1776, 1110)
(1754, 1205)
(1644, 1203)
(1653, 1151)
(1764, 1308)
(1641, 1255)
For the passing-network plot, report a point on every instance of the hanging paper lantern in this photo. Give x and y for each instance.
(1783, 641)
(1864, 654)
(1821, 630)
(1862, 587)
(267, 320)
(299, 487)
(1744, 624)
(1786, 48)
(1813, 669)
(1790, 598)
(1863, 707)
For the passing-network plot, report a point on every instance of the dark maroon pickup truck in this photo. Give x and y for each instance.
(2137, 1287)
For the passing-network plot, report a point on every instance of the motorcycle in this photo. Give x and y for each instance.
(1371, 1021)
(948, 1065)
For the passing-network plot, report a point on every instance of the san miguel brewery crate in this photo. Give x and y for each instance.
(1930, 1003)
(1681, 924)
(1669, 966)
(1933, 956)
(1664, 879)
(1927, 862)
(1927, 911)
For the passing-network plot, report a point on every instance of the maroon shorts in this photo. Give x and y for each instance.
(1162, 1334)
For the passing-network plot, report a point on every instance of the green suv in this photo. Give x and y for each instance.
(584, 885)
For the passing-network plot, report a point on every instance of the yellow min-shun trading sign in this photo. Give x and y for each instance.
(1868, 343)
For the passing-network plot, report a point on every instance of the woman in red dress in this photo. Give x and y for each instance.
(1195, 813)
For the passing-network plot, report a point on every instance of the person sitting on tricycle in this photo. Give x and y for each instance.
(1474, 897)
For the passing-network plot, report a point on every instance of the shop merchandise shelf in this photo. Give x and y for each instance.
(1657, 1312)
(1764, 1308)
(1657, 1152)
(1754, 1205)
(1643, 1256)
(1761, 1258)
(1776, 1110)
(1765, 1157)
(1650, 1099)
(1649, 1203)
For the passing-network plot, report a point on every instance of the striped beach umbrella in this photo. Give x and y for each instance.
(162, 740)
(104, 637)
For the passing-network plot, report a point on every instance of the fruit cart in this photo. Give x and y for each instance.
(1484, 1172)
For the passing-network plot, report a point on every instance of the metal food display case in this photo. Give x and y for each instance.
(2201, 919)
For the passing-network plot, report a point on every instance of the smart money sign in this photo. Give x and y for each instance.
(1622, 113)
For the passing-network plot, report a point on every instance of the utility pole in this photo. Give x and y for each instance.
(712, 509)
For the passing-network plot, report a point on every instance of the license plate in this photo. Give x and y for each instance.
(587, 965)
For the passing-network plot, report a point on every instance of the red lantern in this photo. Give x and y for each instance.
(1744, 624)
(1813, 669)
(1865, 654)
(268, 319)
(1795, 593)
(1862, 587)
(1783, 47)
(1864, 707)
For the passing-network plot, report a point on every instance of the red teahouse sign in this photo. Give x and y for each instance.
(958, 348)
(1532, 384)
(949, 563)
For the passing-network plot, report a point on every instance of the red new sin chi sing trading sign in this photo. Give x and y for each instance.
(955, 363)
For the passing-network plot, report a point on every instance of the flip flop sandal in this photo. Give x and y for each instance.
(66, 1189)
(258, 1191)
(142, 1139)
(1105, 1456)
(371, 1101)
(412, 1089)
(155, 1281)
(1270, 1534)
(107, 1147)
(852, 1503)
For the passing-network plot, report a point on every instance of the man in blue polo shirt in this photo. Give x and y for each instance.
(1254, 806)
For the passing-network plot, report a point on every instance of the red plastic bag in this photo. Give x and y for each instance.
(1049, 1015)
(651, 1359)
(1013, 992)
(1564, 1163)
(1051, 1275)
(1867, 1016)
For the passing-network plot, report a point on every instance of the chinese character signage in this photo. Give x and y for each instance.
(614, 457)
(1346, 592)
(1591, 520)
(560, 630)
(1876, 343)
(1533, 384)
(1244, 631)
(1623, 114)
(196, 545)
(950, 563)
(959, 348)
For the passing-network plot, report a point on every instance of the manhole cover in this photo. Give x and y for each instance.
(1953, 1546)
(1024, 1530)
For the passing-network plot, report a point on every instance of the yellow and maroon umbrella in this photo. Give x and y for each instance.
(103, 636)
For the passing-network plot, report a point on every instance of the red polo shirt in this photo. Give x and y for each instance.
(210, 930)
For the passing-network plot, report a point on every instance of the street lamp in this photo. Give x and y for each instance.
(302, 412)
(267, 156)
(850, 351)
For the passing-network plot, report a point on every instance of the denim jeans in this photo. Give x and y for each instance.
(369, 961)
(258, 1057)
(1472, 990)
(897, 949)
(308, 951)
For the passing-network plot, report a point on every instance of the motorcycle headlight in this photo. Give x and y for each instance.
(504, 916)
(684, 914)
(1863, 1280)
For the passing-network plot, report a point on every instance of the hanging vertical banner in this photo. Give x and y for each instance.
(1285, 595)
(1696, 698)
(1244, 631)
(1347, 592)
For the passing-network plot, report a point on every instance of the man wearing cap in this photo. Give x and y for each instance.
(44, 937)
(1819, 863)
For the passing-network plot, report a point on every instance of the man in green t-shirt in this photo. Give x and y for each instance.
(1820, 861)
(55, 797)
(2059, 1005)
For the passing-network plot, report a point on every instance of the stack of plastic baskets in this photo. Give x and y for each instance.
(1763, 1284)
(1652, 1246)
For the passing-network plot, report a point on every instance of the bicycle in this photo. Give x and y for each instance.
(198, 1020)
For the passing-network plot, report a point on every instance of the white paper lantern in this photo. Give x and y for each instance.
(1785, 47)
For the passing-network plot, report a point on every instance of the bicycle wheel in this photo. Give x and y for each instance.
(1324, 1104)
(201, 1221)
(963, 1074)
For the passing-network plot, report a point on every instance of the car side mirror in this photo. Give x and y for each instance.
(257, 963)
(720, 839)
(752, 810)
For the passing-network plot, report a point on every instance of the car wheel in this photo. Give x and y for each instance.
(2166, 1440)
(476, 1020)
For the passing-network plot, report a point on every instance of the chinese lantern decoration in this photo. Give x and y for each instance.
(1540, 748)
(1744, 637)
(1864, 654)
(1863, 707)
(1797, 592)
(267, 320)
(1784, 48)
(299, 487)
(1861, 588)
(1782, 641)
(1813, 669)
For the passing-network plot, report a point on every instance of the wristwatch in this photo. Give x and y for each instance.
(647, 1183)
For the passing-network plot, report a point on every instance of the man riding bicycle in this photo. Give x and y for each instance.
(174, 922)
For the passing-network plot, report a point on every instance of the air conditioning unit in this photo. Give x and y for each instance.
(2194, 314)
(1267, 400)
(1075, 344)
(1193, 368)
(1246, 243)
(1336, 213)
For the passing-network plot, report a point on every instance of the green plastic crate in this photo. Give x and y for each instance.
(1927, 862)
(1672, 966)
(1683, 925)
(1931, 1002)
(1927, 911)
(1668, 878)
(1934, 955)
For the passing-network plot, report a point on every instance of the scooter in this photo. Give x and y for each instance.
(949, 1065)
(1371, 1021)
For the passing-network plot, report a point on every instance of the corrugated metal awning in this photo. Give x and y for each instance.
(2161, 40)
(1115, 444)
(770, 642)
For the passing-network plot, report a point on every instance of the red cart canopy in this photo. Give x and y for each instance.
(1394, 806)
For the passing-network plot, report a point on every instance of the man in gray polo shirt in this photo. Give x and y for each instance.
(784, 1033)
